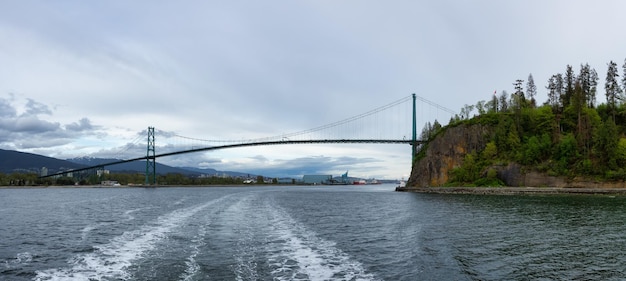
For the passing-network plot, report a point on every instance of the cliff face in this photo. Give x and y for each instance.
(515, 175)
(447, 152)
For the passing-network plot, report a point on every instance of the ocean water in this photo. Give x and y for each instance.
(306, 233)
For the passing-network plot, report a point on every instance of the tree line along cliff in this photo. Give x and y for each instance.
(512, 140)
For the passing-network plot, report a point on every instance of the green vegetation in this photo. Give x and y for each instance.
(568, 135)
(32, 179)
(19, 179)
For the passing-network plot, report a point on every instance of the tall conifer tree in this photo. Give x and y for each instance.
(553, 99)
(531, 90)
(588, 79)
(624, 76)
(569, 83)
(612, 89)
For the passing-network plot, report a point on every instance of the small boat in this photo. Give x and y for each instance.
(401, 184)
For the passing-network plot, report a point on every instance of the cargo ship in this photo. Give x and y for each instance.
(359, 182)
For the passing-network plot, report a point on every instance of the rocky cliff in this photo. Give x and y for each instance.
(447, 152)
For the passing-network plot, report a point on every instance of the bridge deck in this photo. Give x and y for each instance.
(261, 143)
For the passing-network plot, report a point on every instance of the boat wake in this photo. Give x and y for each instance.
(112, 260)
(253, 236)
(301, 255)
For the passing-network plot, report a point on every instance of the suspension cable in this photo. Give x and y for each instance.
(326, 126)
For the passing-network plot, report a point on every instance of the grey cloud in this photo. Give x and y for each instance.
(35, 108)
(82, 125)
(29, 131)
(30, 140)
(6, 138)
(33, 124)
(129, 150)
(28, 122)
(39, 142)
(207, 163)
(6, 109)
(259, 158)
(164, 134)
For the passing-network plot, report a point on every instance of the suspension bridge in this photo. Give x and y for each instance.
(365, 128)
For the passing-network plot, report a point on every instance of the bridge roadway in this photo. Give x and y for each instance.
(260, 143)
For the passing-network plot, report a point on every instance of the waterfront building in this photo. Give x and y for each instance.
(286, 181)
(102, 172)
(316, 179)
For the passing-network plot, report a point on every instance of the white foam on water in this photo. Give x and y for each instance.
(129, 213)
(304, 256)
(244, 217)
(113, 259)
(193, 268)
(85, 231)
(20, 259)
(180, 201)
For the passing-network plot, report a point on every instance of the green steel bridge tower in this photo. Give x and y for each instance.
(150, 159)
(414, 139)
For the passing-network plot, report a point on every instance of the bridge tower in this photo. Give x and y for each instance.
(414, 143)
(150, 159)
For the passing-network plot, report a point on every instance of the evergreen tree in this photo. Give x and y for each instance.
(481, 107)
(436, 127)
(517, 104)
(568, 86)
(519, 91)
(588, 79)
(612, 89)
(430, 130)
(559, 86)
(466, 111)
(531, 90)
(493, 104)
(583, 81)
(425, 135)
(593, 83)
(504, 104)
(553, 98)
(624, 76)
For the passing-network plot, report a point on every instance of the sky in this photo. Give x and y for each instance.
(86, 78)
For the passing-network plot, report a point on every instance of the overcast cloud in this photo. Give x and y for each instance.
(85, 78)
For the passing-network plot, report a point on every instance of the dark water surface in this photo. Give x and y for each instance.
(307, 233)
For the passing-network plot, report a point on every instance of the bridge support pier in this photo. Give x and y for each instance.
(150, 159)
(414, 143)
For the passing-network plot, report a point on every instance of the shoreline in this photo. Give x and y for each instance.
(153, 186)
(515, 190)
(119, 186)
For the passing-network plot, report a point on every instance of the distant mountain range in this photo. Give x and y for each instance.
(22, 162)
(130, 167)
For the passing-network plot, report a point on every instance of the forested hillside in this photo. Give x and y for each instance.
(570, 134)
